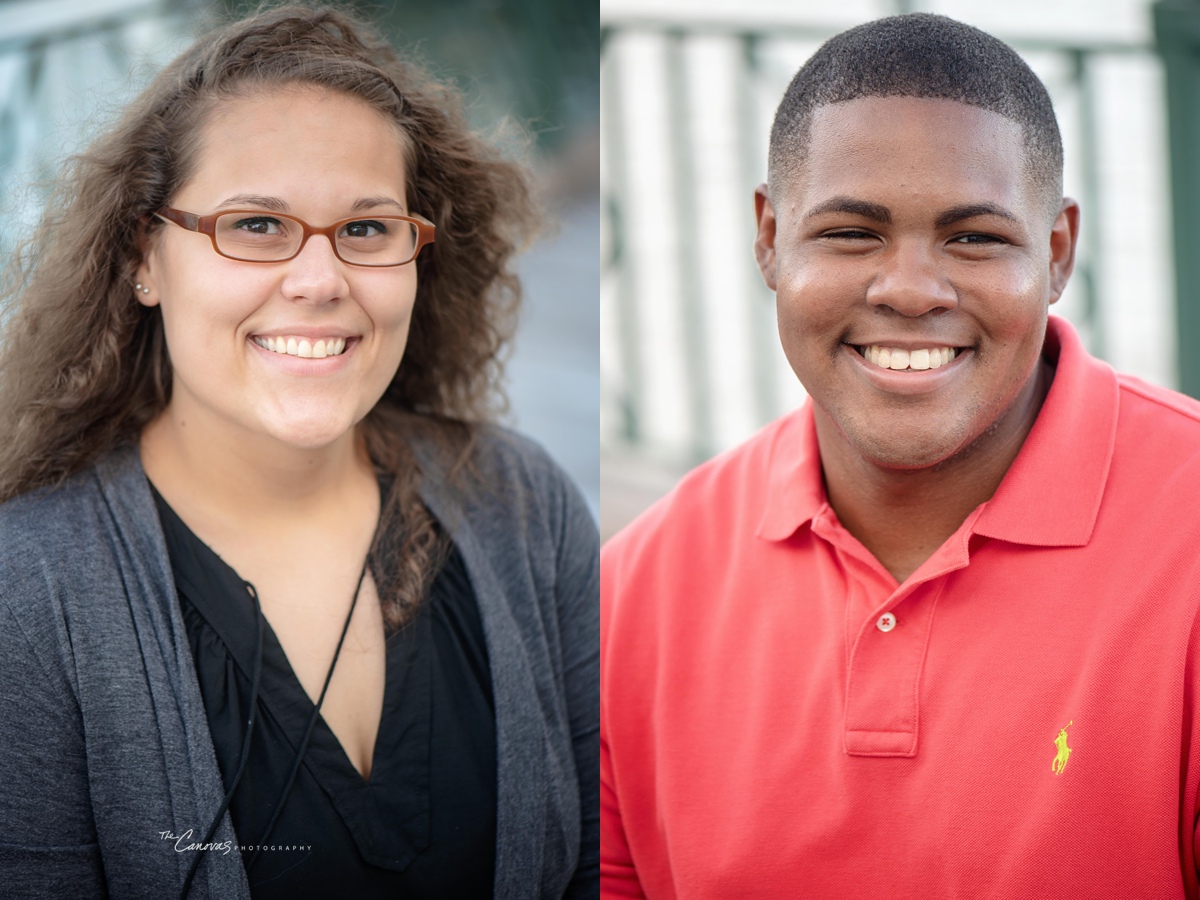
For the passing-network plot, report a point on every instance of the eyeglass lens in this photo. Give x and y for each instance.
(381, 241)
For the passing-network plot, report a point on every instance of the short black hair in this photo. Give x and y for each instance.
(925, 56)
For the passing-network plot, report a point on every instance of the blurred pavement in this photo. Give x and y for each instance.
(554, 373)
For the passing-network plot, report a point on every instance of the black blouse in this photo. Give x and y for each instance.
(424, 825)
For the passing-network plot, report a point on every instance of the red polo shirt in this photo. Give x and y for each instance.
(780, 718)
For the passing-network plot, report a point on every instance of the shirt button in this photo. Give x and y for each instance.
(886, 622)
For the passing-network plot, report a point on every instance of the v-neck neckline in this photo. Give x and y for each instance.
(281, 692)
(436, 743)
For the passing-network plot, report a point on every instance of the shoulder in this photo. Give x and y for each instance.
(70, 537)
(697, 548)
(511, 498)
(715, 502)
(56, 567)
(506, 479)
(517, 460)
(1142, 402)
(49, 525)
(1158, 432)
(1156, 452)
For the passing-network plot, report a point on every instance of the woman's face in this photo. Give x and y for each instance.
(319, 156)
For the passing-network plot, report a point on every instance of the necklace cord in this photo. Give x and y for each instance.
(312, 721)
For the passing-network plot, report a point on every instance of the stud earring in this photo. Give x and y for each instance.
(144, 290)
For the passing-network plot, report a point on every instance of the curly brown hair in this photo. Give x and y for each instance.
(84, 367)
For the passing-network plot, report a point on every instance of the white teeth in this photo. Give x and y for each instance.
(909, 360)
(303, 347)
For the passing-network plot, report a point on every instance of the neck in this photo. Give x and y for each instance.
(903, 515)
(224, 475)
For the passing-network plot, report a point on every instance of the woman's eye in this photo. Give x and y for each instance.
(364, 229)
(259, 225)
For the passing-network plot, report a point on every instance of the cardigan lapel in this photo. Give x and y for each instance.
(520, 747)
(177, 727)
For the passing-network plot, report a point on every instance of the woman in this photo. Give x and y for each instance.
(283, 615)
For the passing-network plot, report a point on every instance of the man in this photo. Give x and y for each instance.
(933, 634)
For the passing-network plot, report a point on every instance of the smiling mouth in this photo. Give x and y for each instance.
(303, 347)
(900, 360)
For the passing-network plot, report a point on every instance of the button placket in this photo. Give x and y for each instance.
(883, 685)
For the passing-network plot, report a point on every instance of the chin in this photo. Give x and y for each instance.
(911, 452)
(310, 435)
(903, 459)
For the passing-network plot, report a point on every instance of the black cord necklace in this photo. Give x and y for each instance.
(245, 752)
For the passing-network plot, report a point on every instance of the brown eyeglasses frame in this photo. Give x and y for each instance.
(208, 225)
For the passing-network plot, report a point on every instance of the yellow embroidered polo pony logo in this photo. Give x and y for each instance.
(1064, 752)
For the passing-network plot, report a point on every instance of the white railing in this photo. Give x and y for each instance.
(67, 62)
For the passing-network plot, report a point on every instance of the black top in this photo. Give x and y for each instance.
(425, 823)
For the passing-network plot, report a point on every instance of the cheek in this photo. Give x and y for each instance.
(196, 325)
(204, 297)
(398, 310)
(391, 315)
(1016, 308)
(397, 317)
(811, 305)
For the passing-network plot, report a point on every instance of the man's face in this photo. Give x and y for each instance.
(914, 263)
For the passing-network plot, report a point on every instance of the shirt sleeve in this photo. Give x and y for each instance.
(48, 842)
(618, 874)
(1189, 844)
(618, 877)
(578, 598)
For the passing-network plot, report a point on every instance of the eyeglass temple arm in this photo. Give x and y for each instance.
(187, 220)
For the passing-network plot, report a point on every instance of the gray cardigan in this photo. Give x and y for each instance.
(104, 743)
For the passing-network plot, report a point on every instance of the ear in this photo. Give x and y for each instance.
(1063, 235)
(147, 270)
(764, 241)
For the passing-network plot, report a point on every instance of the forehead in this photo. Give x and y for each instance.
(293, 141)
(911, 149)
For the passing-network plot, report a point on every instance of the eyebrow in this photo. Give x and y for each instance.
(972, 210)
(881, 214)
(275, 204)
(873, 211)
(371, 202)
(257, 200)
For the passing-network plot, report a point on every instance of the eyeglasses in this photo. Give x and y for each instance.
(252, 235)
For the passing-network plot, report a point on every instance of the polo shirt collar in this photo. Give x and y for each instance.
(795, 483)
(1051, 494)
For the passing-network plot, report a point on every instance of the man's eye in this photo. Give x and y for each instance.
(848, 234)
(977, 239)
(364, 229)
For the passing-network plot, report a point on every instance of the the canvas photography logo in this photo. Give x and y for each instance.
(184, 843)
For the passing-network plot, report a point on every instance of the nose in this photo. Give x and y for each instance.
(315, 273)
(911, 282)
